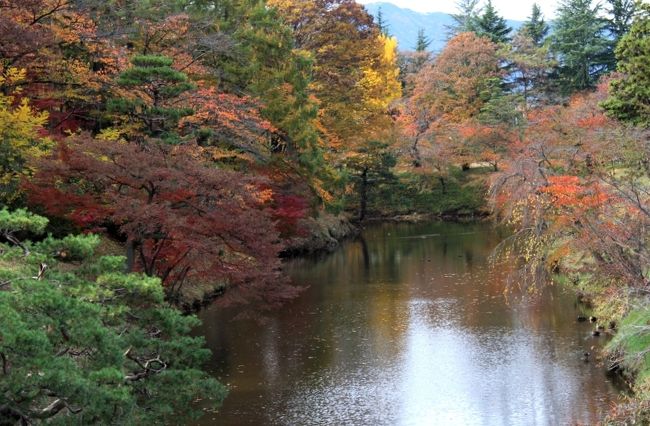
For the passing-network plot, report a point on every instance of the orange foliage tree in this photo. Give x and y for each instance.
(448, 94)
(577, 183)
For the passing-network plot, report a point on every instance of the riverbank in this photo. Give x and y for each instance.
(463, 199)
(323, 233)
(623, 319)
(461, 217)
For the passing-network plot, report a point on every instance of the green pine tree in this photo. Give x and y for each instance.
(489, 24)
(630, 95)
(423, 42)
(580, 43)
(530, 70)
(381, 23)
(620, 14)
(465, 19)
(535, 27)
(85, 343)
(265, 63)
(154, 86)
(370, 167)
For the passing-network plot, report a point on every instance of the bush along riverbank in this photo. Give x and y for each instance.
(548, 253)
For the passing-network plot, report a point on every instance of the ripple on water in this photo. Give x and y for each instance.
(446, 374)
(414, 332)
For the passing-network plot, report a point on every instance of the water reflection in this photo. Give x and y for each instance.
(409, 326)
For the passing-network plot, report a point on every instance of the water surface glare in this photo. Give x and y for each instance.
(409, 326)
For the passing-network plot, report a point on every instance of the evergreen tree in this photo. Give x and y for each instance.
(489, 24)
(370, 166)
(423, 42)
(530, 69)
(279, 74)
(86, 343)
(535, 27)
(581, 45)
(152, 86)
(381, 24)
(619, 20)
(621, 14)
(630, 95)
(465, 19)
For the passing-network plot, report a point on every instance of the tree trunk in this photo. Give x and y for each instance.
(130, 256)
(415, 153)
(363, 195)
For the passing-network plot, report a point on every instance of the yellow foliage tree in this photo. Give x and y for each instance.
(355, 68)
(20, 138)
(380, 84)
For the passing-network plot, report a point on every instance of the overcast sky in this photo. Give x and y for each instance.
(511, 9)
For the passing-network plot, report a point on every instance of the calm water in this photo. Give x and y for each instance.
(409, 326)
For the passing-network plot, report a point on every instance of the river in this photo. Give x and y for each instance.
(410, 326)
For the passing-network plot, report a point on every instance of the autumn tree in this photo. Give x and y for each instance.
(452, 87)
(230, 124)
(84, 342)
(181, 221)
(560, 186)
(20, 135)
(67, 65)
(155, 27)
(350, 58)
(455, 87)
(380, 84)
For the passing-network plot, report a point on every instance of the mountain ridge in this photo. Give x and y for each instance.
(404, 24)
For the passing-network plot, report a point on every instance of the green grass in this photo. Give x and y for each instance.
(464, 193)
(633, 341)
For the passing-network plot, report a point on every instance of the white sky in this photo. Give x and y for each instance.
(517, 9)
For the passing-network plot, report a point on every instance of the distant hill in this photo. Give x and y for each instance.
(405, 23)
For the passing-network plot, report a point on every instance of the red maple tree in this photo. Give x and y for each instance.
(182, 220)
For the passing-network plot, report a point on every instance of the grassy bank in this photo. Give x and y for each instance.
(458, 193)
(625, 315)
